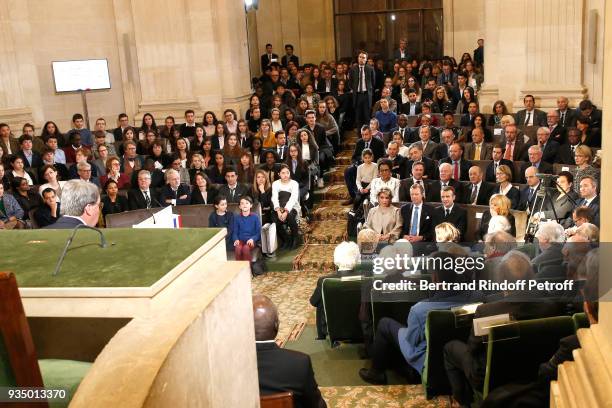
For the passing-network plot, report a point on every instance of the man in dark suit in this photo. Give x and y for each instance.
(412, 107)
(447, 77)
(567, 116)
(415, 152)
(123, 122)
(467, 119)
(327, 85)
(361, 81)
(326, 151)
(446, 140)
(446, 180)
(460, 167)
(478, 191)
(535, 160)
(479, 53)
(142, 196)
(187, 129)
(567, 151)
(289, 56)
(589, 196)
(588, 110)
(49, 212)
(281, 369)
(174, 192)
(401, 53)
(516, 149)
(80, 205)
(528, 194)
(418, 217)
(402, 127)
(268, 58)
(366, 142)
(418, 171)
(450, 212)
(281, 148)
(9, 144)
(530, 116)
(232, 190)
(557, 132)
(497, 154)
(548, 146)
(466, 363)
(31, 158)
(400, 168)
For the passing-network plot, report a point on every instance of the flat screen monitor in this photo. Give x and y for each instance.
(71, 76)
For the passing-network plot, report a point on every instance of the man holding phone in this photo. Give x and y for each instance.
(268, 58)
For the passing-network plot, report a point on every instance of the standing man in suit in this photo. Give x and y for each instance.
(589, 197)
(567, 151)
(557, 132)
(479, 53)
(401, 53)
(460, 167)
(142, 196)
(450, 212)
(535, 160)
(232, 190)
(497, 154)
(516, 148)
(418, 217)
(268, 58)
(567, 116)
(361, 80)
(530, 116)
(549, 147)
(290, 56)
(418, 171)
(80, 205)
(280, 369)
(478, 191)
(478, 149)
(528, 194)
(366, 142)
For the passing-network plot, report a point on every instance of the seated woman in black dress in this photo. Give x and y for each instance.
(499, 204)
(216, 172)
(113, 203)
(299, 171)
(262, 194)
(202, 190)
(503, 175)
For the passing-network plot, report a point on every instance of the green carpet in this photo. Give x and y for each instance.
(283, 261)
(33, 254)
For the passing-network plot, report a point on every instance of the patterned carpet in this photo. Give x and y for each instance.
(389, 396)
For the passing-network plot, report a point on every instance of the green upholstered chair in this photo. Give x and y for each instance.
(515, 351)
(342, 303)
(19, 366)
(581, 321)
(440, 328)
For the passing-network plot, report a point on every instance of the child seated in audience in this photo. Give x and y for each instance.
(221, 218)
(246, 230)
(366, 172)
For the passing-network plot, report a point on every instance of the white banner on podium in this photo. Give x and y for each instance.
(161, 219)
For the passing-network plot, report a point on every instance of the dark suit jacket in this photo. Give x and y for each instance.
(215, 143)
(321, 87)
(520, 149)
(486, 151)
(376, 145)
(443, 79)
(118, 133)
(457, 217)
(563, 207)
(524, 201)
(265, 61)
(284, 153)
(167, 193)
(466, 120)
(594, 206)
(397, 55)
(464, 168)
(64, 222)
(433, 195)
(490, 172)
(543, 167)
(246, 144)
(405, 108)
(197, 198)
(36, 160)
(319, 135)
(559, 134)
(550, 151)
(425, 221)
(539, 117)
(570, 118)
(404, 188)
(239, 192)
(484, 224)
(431, 170)
(43, 216)
(565, 154)
(282, 370)
(136, 199)
(369, 80)
(300, 175)
(400, 168)
(441, 151)
(484, 193)
(285, 60)
(514, 195)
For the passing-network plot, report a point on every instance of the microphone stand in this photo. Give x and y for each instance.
(103, 244)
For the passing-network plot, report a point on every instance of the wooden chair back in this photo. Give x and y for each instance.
(279, 400)
(17, 338)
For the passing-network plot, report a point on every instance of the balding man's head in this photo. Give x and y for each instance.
(514, 266)
(265, 316)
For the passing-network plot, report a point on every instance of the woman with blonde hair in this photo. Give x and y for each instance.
(500, 205)
(266, 135)
(503, 176)
(583, 156)
(447, 232)
(440, 102)
(385, 219)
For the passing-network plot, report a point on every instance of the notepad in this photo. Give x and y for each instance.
(482, 325)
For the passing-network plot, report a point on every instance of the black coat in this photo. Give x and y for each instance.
(376, 145)
(197, 198)
(136, 199)
(565, 154)
(544, 167)
(433, 194)
(404, 188)
(43, 216)
(490, 171)
(119, 206)
(64, 223)
(464, 168)
(282, 370)
(431, 170)
(239, 191)
(513, 195)
(484, 193)
(550, 151)
(369, 80)
(426, 227)
(457, 217)
(167, 193)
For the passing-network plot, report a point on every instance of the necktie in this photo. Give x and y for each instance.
(573, 148)
(232, 193)
(474, 194)
(280, 153)
(360, 89)
(456, 170)
(562, 118)
(447, 213)
(415, 221)
(367, 145)
(495, 164)
(530, 194)
(508, 152)
(147, 199)
(528, 119)
(477, 152)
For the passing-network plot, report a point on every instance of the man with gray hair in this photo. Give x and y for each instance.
(84, 172)
(346, 258)
(550, 235)
(549, 147)
(80, 205)
(142, 196)
(535, 160)
(174, 192)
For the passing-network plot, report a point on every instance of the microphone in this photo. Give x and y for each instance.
(103, 244)
(544, 176)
